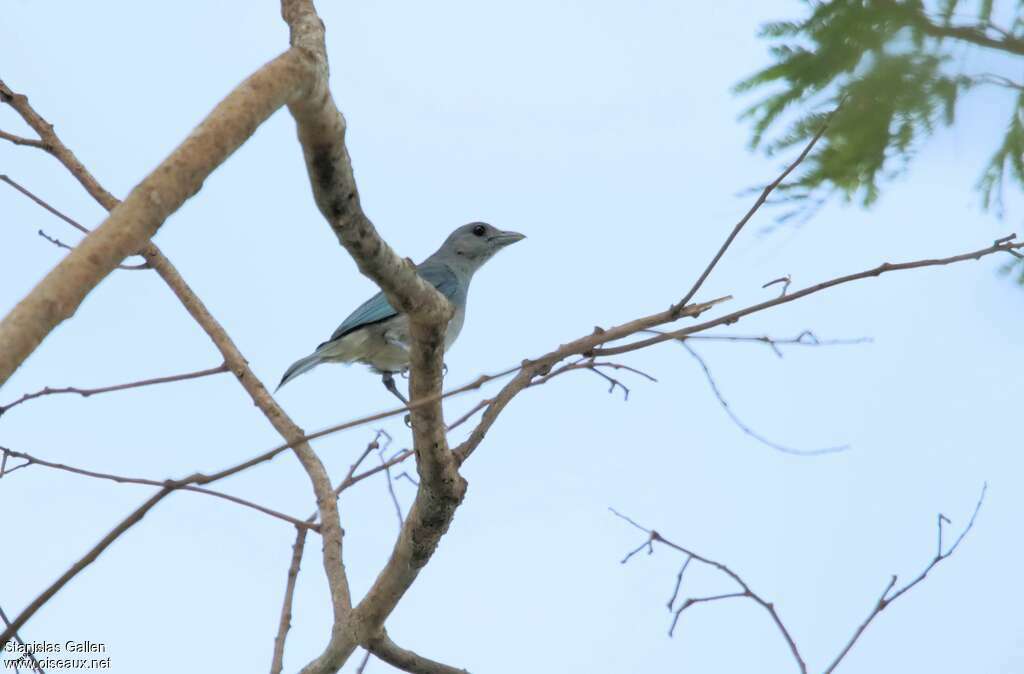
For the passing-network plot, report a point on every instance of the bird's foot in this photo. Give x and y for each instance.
(389, 384)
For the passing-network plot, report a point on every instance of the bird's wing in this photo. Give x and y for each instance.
(377, 308)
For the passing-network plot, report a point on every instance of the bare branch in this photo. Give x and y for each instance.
(285, 624)
(408, 477)
(387, 650)
(60, 244)
(886, 599)
(362, 664)
(19, 140)
(402, 456)
(391, 487)
(1005, 245)
(784, 280)
(33, 663)
(65, 218)
(697, 600)
(655, 537)
(80, 227)
(86, 392)
(31, 460)
(586, 346)
(130, 225)
(805, 338)
(679, 582)
(743, 426)
(765, 193)
(469, 415)
(134, 518)
(231, 122)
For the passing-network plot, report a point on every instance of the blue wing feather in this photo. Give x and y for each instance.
(377, 308)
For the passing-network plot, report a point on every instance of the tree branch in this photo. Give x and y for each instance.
(285, 623)
(130, 225)
(18, 140)
(887, 598)
(321, 132)
(28, 653)
(31, 460)
(760, 201)
(134, 518)
(387, 650)
(655, 537)
(231, 122)
(1006, 244)
(86, 392)
(743, 426)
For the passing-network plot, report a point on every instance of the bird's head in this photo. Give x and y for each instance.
(477, 242)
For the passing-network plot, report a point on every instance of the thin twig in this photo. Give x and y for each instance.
(1004, 245)
(29, 653)
(784, 280)
(679, 582)
(698, 600)
(408, 477)
(769, 188)
(74, 223)
(362, 664)
(468, 415)
(886, 599)
(31, 460)
(743, 426)
(86, 392)
(391, 487)
(134, 518)
(805, 338)
(654, 537)
(65, 218)
(60, 244)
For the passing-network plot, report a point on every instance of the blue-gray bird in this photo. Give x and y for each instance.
(377, 335)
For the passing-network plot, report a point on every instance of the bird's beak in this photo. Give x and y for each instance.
(502, 239)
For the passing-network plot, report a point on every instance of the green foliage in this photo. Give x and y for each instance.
(890, 63)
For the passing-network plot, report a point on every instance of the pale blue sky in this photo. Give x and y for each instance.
(608, 135)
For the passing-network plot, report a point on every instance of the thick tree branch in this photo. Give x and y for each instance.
(131, 224)
(231, 122)
(321, 131)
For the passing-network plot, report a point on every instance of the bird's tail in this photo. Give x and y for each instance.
(300, 366)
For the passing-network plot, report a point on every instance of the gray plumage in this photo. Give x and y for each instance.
(377, 335)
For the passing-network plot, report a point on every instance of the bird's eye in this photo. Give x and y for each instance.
(479, 230)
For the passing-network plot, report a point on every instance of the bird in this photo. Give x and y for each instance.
(377, 335)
